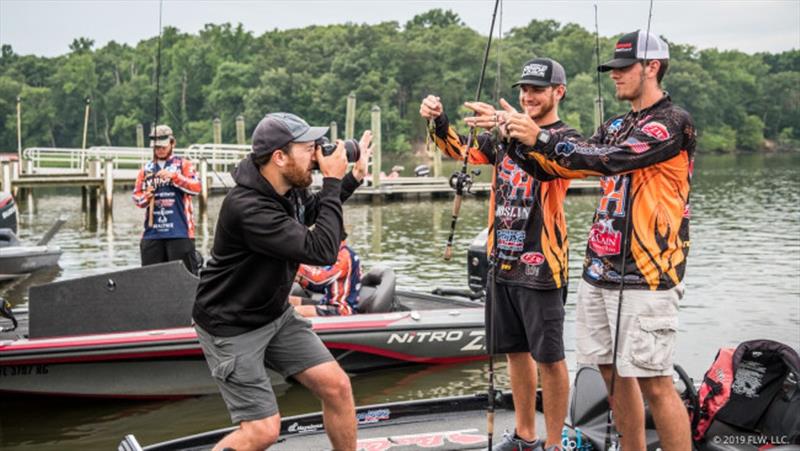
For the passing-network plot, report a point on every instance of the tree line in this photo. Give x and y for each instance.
(738, 100)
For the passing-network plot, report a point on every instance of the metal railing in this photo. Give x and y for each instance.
(70, 160)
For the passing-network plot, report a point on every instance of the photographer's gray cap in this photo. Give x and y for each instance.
(631, 48)
(542, 72)
(277, 130)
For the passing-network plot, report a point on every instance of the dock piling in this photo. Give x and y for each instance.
(350, 119)
(240, 138)
(139, 135)
(6, 177)
(376, 146)
(108, 185)
(204, 182)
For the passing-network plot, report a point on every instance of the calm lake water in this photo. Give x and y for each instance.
(743, 282)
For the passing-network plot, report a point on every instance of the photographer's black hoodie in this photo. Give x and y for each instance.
(260, 239)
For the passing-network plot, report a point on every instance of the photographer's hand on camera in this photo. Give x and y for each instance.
(431, 107)
(334, 165)
(365, 146)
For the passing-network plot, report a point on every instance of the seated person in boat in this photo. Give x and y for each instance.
(268, 225)
(164, 188)
(339, 283)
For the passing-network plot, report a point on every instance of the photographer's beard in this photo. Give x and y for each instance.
(298, 177)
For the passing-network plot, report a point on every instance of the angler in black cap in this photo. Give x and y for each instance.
(268, 225)
(527, 318)
(639, 241)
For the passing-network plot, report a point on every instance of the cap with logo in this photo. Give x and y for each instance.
(277, 130)
(542, 72)
(631, 48)
(161, 136)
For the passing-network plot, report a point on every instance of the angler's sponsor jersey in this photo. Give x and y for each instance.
(172, 212)
(340, 282)
(645, 161)
(528, 211)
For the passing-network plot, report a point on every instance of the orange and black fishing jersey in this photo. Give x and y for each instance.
(645, 161)
(531, 230)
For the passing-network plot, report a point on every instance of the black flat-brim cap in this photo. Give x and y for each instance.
(616, 63)
(634, 47)
(277, 130)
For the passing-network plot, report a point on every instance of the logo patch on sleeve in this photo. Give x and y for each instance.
(565, 148)
(656, 130)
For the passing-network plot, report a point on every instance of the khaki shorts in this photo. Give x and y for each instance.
(647, 335)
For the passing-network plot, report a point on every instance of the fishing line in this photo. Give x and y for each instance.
(599, 102)
(461, 180)
(628, 225)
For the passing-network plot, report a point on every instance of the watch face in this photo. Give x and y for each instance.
(544, 137)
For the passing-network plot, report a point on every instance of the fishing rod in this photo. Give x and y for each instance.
(491, 340)
(628, 225)
(461, 181)
(152, 202)
(599, 101)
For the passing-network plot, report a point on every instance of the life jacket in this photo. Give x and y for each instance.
(753, 387)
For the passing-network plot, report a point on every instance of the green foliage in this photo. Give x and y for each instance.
(224, 71)
(717, 139)
(751, 134)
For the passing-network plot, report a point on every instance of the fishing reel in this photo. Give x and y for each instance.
(462, 181)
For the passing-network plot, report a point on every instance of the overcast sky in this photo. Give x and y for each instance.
(47, 27)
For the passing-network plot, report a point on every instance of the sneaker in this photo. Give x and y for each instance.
(511, 442)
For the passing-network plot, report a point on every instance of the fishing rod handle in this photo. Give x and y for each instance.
(448, 250)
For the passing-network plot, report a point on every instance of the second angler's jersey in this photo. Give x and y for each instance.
(172, 212)
(645, 161)
(528, 212)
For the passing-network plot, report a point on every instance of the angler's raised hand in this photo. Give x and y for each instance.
(519, 126)
(365, 146)
(431, 107)
(165, 174)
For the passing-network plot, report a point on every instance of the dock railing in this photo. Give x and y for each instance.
(48, 160)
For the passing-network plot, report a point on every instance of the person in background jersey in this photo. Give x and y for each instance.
(164, 188)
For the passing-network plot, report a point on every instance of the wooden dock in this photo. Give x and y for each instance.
(219, 182)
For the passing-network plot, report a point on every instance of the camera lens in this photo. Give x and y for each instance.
(352, 150)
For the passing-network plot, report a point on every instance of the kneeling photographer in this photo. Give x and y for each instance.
(269, 224)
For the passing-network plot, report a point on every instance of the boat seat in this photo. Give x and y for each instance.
(377, 291)
(8, 238)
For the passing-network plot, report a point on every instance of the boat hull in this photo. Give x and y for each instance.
(27, 259)
(165, 363)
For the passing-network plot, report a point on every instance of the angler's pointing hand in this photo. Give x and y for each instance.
(335, 164)
(431, 107)
(518, 126)
(486, 116)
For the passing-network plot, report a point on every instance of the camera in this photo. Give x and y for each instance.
(351, 148)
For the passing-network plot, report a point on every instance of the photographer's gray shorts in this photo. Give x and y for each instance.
(239, 363)
(647, 335)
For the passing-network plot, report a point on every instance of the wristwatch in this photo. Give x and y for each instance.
(543, 137)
